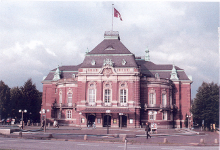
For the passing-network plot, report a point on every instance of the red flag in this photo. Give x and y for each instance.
(117, 14)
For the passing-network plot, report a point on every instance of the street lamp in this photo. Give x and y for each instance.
(120, 114)
(22, 111)
(80, 119)
(108, 113)
(188, 120)
(44, 112)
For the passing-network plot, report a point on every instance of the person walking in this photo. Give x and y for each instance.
(147, 129)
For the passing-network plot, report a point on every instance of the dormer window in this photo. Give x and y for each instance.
(123, 62)
(110, 48)
(93, 62)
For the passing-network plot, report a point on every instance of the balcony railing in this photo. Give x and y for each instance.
(158, 106)
(107, 104)
(66, 105)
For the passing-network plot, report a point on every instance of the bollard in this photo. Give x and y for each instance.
(20, 134)
(125, 144)
(216, 141)
(165, 140)
(85, 137)
(202, 141)
(48, 125)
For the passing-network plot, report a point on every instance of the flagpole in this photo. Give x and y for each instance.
(112, 16)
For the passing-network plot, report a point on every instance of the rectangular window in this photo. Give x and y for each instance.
(91, 95)
(131, 121)
(68, 114)
(98, 120)
(123, 96)
(151, 98)
(164, 115)
(152, 115)
(107, 95)
(69, 97)
(60, 97)
(164, 100)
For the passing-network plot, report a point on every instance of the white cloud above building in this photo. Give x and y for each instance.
(37, 36)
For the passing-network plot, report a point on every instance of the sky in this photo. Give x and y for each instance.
(37, 36)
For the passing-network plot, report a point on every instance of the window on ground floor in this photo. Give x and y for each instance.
(69, 114)
(164, 115)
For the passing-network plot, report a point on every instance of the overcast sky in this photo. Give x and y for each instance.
(36, 37)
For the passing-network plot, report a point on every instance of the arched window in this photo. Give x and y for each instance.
(107, 93)
(92, 93)
(123, 93)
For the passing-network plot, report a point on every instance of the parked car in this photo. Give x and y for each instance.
(2, 121)
(8, 121)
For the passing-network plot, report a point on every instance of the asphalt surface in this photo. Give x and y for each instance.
(175, 137)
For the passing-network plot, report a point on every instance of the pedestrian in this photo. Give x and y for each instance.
(55, 123)
(43, 122)
(147, 129)
(94, 127)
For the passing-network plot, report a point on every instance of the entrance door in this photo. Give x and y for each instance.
(123, 121)
(107, 121)
(91, 120)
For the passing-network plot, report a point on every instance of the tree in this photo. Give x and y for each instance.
(4, 100)
(16, 102)
(31, 101)
(206, 104)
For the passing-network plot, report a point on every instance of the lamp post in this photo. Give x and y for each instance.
(120, 114)
(22, 111)
(188, 120)
(80, 119)
(43, 111)
(108, 112)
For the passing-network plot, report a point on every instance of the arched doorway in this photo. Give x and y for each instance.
(123, 121)
(107, 121)
(90, 120)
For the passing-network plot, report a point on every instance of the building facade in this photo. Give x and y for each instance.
(112, 87)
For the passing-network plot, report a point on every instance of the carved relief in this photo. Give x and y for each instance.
(107, 72)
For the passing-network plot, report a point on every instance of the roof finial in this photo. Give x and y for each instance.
(174, 74)
(147, 56)
(56, 74)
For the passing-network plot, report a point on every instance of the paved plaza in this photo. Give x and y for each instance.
(133, 136)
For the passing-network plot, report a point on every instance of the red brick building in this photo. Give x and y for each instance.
(112, 86)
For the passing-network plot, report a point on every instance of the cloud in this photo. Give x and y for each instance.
(38, 36)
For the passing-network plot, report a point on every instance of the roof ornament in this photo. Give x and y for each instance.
(174, 74)
(93, 62)
(108, 62)
(147, 56)
(123, 62)
(57, 74)
(87, 50)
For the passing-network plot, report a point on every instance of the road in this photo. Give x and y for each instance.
(30, 144)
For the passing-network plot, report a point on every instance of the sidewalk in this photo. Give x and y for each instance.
(134, 136)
